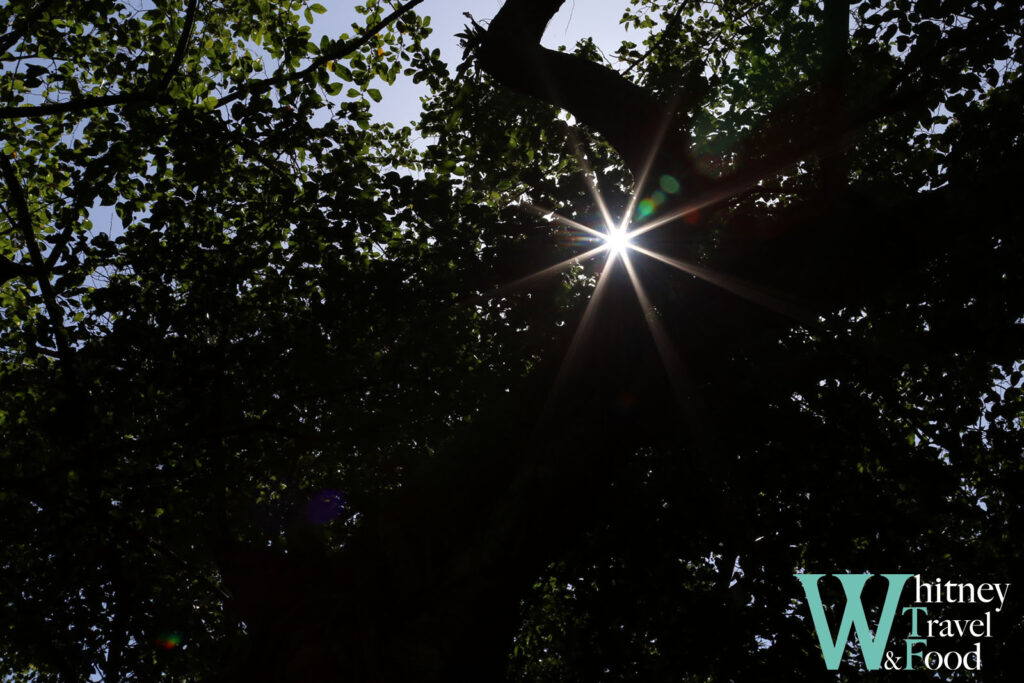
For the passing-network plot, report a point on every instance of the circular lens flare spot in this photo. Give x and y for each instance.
(669, 184)
(645, 208)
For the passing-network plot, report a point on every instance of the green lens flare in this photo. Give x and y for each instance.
(669, 184)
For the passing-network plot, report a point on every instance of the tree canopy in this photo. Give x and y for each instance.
(328, 398)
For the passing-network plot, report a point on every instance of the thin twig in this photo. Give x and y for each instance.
(179, 52)
(181, 562)
(154, 94)
(337, 50)
(657, 41)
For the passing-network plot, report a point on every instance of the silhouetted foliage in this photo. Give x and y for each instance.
(292, 415)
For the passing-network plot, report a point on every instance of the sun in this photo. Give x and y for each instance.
(617, 240)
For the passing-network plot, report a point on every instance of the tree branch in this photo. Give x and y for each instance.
(154, 94)
(83, 104)
(599, 97)
(179, 52)
(337, 50)
(24, 220)
(216, 590)
(10, 270)
(59, 246)
(627, 116)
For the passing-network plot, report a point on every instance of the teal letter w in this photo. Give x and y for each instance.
(853, 616)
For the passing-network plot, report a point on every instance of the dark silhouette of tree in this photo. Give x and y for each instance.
(299, 416)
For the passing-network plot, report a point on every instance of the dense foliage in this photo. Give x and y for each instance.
(240, 319)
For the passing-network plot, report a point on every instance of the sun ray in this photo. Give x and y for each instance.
(641, 181)
(540, 274)
(682, 212)
(669, 358)
(586, 322)
(720, 194)
(617, 240)
(731, 284)
(567, 222)
(591, 180)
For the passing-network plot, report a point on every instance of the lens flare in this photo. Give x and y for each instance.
(642, 214)
(169, 641)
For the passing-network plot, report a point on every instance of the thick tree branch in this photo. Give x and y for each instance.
(625, 114)
(832, 137)
(337, 50)
(9, 269)
(83, 104)
(23, 215)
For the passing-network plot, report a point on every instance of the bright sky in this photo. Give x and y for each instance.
(577, 19)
